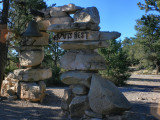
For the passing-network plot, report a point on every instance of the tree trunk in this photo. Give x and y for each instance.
(157, 69)
(3, 46)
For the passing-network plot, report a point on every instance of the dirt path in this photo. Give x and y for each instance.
(142, 91)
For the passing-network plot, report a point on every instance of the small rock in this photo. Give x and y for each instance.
(105, 98)
(78, 105)
(89, 14)
(92, 114)
(80, 90)
(109, 35)
(66, 99)
(57, 12)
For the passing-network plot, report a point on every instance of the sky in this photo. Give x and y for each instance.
(115, 15)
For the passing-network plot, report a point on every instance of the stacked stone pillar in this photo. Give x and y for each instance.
(28, 82)
(88, 94)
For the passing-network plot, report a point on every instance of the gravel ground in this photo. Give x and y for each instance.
(143, 91)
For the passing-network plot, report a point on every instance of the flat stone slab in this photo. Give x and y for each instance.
(76, 36)
(32, 75)
(70, 8)
(72, 27)
(82, 60)
(76, 77)
(81, 45)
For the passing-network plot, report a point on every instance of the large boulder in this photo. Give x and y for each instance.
(31, 56)
(105, 98)
(89, 14)
(76, 77)
(74, 60)
(32, 91)
(78, 106)
(32, 75)
(70, 26)
(84, 45)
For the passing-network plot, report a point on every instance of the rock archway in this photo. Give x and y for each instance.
(88, 94)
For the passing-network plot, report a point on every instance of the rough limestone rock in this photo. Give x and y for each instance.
(73, 27)
(79, 90)
(105, 98)
(84, 45)
(33, 57)
(76, 77)
(43, 25)
(60, 20)
(36, 41)
(9, 84)
(92, 114)
(57, 12)
(74, 60)
(77, 36)
(89, 14)
(109, 35)
(78, 105)
(32, 91)
(66, 99)
(32, 75)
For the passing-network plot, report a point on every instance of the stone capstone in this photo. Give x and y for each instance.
(105, 98)
(32, 91)
(66, 99)
(9, 85)
(76, 77)
(79, 90)
(89, 14)
(36, 41)
(33, 75)
(84, 45)
(74, 60)
(73, 27)
(78, 106)
(31, 56)
(70, 8)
